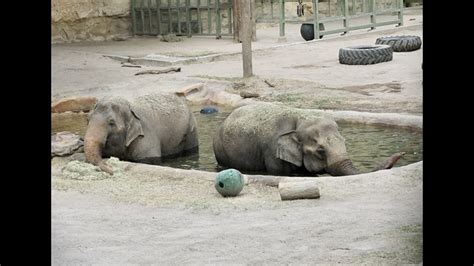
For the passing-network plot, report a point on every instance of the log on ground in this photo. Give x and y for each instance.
(298, 190)
(159, 71)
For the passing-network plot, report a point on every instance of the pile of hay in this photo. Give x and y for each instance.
(85, 171)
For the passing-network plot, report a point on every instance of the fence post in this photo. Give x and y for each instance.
(178, 16)
(271, 8)
(237, 20)
(150, 23)
(282, 18)
(400, 12)
(346, 13)
(316, 19)
(373, 20)
(254, 20)
(329, 9)
(188, 17)
(134, 18)
(158, 16)
(218, 19)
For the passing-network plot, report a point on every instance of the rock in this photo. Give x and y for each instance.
(65, 143)
(97, 20)
(74, 104)
(69, 121)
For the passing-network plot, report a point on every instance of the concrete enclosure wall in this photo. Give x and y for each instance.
(101, 20)
(96, 20)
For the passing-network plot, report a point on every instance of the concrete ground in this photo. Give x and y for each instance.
(172, 216)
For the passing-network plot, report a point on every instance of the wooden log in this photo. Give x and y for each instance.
(127, 65)
(269, 84)
(184, 91)
(298, 190)
(159, 71)
(247, 94)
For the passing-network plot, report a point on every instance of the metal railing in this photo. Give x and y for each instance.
(182, 17)
(345, 11)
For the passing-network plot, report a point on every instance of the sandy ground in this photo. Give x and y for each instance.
(153, 214)
(171, 216)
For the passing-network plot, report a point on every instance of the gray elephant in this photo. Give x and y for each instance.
(282, 141)
(153, 127)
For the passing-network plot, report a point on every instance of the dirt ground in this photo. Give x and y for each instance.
(162, 215)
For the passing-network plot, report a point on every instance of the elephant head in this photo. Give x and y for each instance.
(317, 145)
(112, 126)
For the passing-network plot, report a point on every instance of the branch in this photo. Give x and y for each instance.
(160, 71)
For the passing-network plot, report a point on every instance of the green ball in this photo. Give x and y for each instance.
(229, 182)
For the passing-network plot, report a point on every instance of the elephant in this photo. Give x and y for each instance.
(279, 140)
(150, 128)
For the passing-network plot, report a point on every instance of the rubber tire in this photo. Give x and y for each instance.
(405, 43)
(365, 54)
(307, 31)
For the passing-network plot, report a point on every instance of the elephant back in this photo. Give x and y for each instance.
(258, 118)
(159, 104)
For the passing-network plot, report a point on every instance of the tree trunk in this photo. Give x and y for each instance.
(246, 38)
(298, 190)
(237, 20)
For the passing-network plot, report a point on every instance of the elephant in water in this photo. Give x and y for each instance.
(153, 127)
(281, 141)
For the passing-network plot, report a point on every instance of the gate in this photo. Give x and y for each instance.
(341, 15)
(182, 17)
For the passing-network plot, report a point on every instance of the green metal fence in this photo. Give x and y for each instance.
(349, 12)
(182, 17)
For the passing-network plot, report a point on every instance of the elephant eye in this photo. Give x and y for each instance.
(321, 152)
(111, 122)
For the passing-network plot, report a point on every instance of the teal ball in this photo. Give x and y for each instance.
(229, 182)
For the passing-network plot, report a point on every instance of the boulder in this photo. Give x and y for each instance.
(74, 104)
(69, 121)
(65, 143)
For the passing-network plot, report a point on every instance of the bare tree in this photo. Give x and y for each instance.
(246, 29)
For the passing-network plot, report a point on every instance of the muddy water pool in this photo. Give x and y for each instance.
(367, 145)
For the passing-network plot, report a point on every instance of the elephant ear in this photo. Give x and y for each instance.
(289, 148)
(134, 129)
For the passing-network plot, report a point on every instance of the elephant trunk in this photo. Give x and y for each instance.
(94, 141)
(344, 167)
(387, 164)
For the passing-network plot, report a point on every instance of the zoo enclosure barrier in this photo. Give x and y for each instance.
(182, 17)
(326, 11)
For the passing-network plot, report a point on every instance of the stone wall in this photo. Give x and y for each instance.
(96, 20)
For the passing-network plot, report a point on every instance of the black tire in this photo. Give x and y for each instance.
(365, 54)
(307, 31)
(401, 43)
